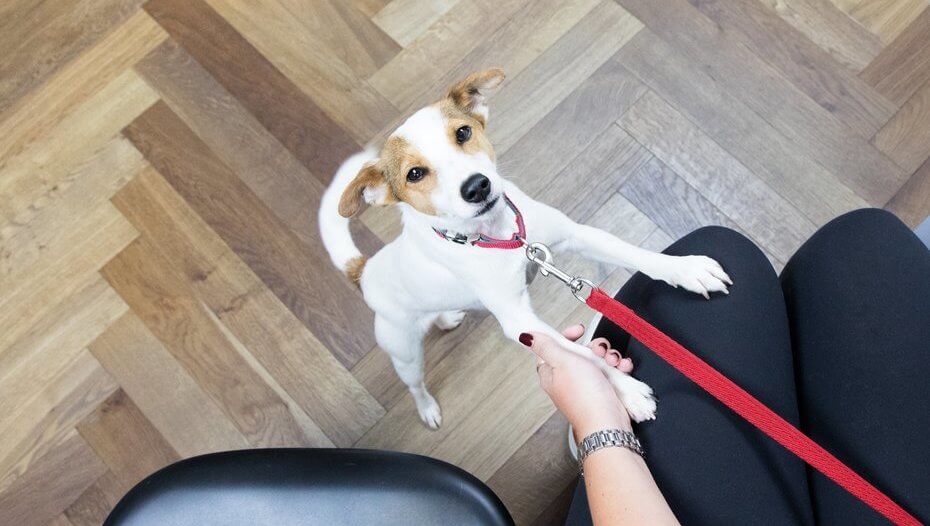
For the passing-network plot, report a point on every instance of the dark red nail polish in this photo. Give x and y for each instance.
(526, 339)
(603, 345)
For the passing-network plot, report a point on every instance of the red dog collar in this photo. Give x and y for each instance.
(483, 241)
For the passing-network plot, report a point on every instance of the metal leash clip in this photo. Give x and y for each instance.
(540, 254)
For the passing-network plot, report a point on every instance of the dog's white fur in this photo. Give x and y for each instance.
(421, 279)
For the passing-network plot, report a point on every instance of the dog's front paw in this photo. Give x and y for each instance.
(636, 396)
(639, 403)
(699, 274)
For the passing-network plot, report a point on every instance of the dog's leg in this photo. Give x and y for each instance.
(449, 320)
(515, 316)
(404, 343)
(699, 274)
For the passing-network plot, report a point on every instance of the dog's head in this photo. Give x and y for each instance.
(439, 161)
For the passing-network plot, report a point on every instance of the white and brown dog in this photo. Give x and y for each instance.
(459, 219)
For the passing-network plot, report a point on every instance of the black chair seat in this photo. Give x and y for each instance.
(309, 487)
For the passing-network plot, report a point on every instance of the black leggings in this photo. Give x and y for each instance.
(840, 345)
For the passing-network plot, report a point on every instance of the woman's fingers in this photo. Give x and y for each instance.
(599, 346)
(626, 365)
(612, 358)
(573, 332)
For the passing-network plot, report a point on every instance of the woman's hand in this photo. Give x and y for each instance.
(574, 383)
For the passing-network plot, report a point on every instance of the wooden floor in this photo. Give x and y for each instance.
(163, 289)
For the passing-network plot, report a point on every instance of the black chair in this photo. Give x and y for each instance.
(284, 487)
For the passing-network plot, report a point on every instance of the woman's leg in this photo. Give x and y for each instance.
(713, 467)
(858, 297)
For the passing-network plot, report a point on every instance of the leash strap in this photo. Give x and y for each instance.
(747, 406)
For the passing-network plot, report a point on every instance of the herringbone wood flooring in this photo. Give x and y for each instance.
(163, 289)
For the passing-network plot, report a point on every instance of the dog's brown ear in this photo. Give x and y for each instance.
(470, 94)
(369, 185)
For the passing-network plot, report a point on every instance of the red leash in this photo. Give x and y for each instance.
(747, 406)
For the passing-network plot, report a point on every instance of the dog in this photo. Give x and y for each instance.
(459, 248)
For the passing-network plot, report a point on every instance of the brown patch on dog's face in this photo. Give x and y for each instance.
(455, 118)
(398, 158)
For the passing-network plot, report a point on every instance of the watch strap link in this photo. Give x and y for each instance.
(608, 438)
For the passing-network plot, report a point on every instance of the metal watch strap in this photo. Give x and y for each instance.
(608, 438)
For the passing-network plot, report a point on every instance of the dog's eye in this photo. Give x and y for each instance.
(463, 134)
(417, 173)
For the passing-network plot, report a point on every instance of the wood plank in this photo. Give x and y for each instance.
(528, 97)
(904, 65)
(425, 59)
(259, 160)
(809, 68)
(827, 25)
(407, 20)
(303, 278)
(344, 32)
(906, 137)
(44, 41)
(305, 368)
(817, 193)
(720, 178)
(673, 204)
(93, 506)
(45, 349)
(669, 201)
(542, 463)
(42, 166)
(55, 482)
(35, 114)
(62, 271)
(61, 520)
(159, 295)
(291, 116)
(535, 28)
(888, 18)
(190, 421)
(318, 71)
(45, 416)
(748, 79)
(53, 221)
(570, 127)
(125, 440)
(595, 174)
(912, 202)
(369, 7)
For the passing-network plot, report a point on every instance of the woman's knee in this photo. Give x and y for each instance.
(860, 237)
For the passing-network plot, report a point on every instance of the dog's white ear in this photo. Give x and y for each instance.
(369, 185)
(471, 94)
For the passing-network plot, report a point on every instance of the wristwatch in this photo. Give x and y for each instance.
(608, 438)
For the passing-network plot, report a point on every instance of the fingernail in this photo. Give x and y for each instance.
(526, 339)
(603, 345)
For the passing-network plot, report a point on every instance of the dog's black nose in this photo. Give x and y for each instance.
(476, 188)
